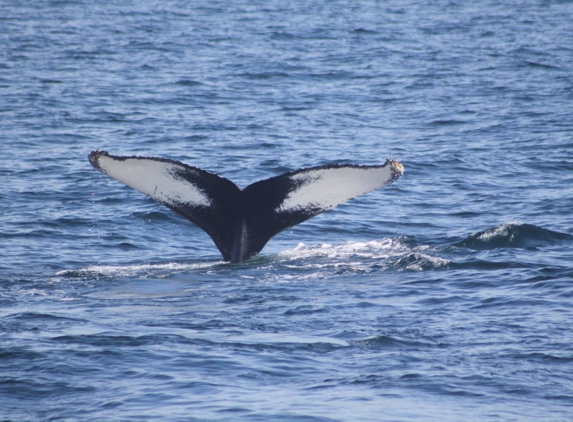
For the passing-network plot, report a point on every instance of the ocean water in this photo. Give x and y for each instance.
(445, 296)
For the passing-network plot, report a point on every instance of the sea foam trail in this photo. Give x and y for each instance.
(138, 270)
(374, 255)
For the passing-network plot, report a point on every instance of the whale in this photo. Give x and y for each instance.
(241, 221)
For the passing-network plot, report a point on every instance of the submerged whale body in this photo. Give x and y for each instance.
(242, 221)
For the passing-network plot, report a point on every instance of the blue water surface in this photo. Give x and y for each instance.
(445, 296)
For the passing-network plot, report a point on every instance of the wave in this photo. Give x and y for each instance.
(389, 342)
(513, 235)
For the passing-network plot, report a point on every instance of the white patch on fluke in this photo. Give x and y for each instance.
(155, 179)
(328, 187)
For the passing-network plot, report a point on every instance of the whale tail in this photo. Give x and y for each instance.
(242, 221)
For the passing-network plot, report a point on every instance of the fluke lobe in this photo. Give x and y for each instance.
(242, 221)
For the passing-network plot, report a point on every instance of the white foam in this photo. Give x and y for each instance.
(386, 253)
(372, 249)
(136, 270)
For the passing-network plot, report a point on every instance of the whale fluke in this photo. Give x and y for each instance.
(242, 221)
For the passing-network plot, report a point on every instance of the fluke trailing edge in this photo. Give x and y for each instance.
(242, 221)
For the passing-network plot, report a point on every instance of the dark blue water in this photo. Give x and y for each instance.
(446, 296)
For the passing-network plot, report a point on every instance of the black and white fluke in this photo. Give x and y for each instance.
(242, 221)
